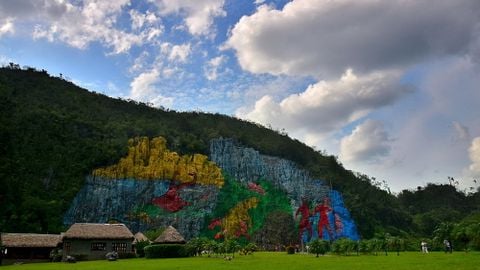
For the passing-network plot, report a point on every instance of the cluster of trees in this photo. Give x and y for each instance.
(54, 133)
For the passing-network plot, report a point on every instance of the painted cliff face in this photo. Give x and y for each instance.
(232, 193)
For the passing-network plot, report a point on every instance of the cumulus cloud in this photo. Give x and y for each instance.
(211, 69)
(180, 52)
(199, 15)
(80, 23)
(369, 142)
(6, 27)
(323, 38)
(140, 19)
(143, 89)
(33, 8)
(474, 153)
(328, 105)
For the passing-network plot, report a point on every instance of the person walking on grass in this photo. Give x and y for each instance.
(424, 247)
(447, 245)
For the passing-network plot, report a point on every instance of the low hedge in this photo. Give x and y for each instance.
(165, 251)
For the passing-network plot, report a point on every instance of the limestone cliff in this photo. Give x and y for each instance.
(153, 187)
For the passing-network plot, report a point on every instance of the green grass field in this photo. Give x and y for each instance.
(279, 261)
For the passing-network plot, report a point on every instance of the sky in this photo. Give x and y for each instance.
(392, 88)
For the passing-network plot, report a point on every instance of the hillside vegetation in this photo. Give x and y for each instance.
(53, 133)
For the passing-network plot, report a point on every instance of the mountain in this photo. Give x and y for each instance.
(59, 141)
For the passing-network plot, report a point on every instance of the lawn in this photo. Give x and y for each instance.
(278, 261)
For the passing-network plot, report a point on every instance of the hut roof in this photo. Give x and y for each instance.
(98, 231)
(170, 235)
(30, 240)
(139, 237)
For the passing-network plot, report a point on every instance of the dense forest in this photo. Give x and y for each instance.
(52, 133)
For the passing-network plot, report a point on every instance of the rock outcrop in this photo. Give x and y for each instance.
(143, 193)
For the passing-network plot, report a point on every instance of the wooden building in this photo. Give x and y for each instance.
(29, 246)
(92, 241)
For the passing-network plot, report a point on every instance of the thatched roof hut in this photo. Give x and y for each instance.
(98, 231)
(139, 237)
(170, 236)
(25, 240)
(30, 246)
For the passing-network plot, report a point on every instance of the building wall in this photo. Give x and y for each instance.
(82, 249)
(28, 253)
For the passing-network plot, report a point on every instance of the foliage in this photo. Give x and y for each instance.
(344, 246)
(249, 249)
(195, 246)
(154, 233)
(231, 246)
(165, 251)
(318, 246)
(139, 248)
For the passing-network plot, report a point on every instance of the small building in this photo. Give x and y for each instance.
(92, 241)
(170, 236)
(29, 246)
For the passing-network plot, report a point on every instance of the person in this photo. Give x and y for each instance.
(448, 246)
(424, 247)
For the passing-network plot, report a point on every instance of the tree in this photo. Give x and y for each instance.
(395, 243)
(318, 246)
(139, 248)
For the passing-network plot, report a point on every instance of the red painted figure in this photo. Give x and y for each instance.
(171, 201)
(304, 220)
(323, 209)
(214, 223)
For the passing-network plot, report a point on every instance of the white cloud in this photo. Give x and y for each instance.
(6, 27)
(80, 23)
(323, 38)
(212, 67)
(474, 153)
(199, 15)
(142, 85)
(368, 142)
(140, 19)
(143, 89)
(180, 52)
(328, 105)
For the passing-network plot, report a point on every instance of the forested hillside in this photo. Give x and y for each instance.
(54, 133)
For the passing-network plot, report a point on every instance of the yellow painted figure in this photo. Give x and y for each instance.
(151, 160)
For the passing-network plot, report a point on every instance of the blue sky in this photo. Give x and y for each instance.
(390, 87)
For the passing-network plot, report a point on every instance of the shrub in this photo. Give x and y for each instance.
(318, 247)
(165, 251)
(290, 250)
(139, 248)
(345, 246)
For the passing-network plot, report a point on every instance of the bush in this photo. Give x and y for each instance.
(165, 251)
(318, 247)
(139, 248)
(290, 250)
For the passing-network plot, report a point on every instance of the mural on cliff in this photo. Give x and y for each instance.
(229, 194)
